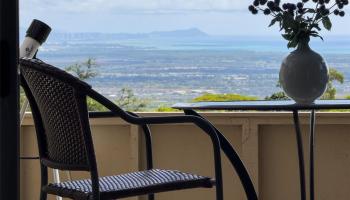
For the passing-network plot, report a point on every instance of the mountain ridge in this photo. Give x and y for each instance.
(179, 33)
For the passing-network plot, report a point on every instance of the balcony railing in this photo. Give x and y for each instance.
(265, 140)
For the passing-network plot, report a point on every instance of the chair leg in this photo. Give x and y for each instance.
(43, 195)
(44, 180)
(151, 197)
(219, 193)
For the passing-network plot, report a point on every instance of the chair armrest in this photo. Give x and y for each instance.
(135, 119)
(199, 122)
(104, 114)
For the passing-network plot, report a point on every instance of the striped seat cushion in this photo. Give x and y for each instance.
(130, 184)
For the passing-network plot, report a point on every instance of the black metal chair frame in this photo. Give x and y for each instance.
(85, 91)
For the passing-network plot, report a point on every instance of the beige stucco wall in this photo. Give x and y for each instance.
(266, 142)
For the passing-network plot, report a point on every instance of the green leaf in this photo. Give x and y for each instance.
(287, 36)
(316, 26)
(309, 10)
(318, 16)
(317, 35)
(327, 23)
(273, 22)
(292, 44)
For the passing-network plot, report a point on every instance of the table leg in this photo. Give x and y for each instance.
(300, 154)
(311, 146)
(235, 161)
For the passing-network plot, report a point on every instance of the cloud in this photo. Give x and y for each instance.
(136, 6)
(142, 6)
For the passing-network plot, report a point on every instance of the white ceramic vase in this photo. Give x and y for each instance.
(304, 74)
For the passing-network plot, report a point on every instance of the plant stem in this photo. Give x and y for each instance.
(272, 14)
(313, 16)
(324, 16)
(333, 6)
(327, 14)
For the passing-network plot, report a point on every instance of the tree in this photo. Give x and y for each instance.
(222, 97)
(84, 70)
(330, 93)
(94, 105)
(128, 101)
(164, 108)
(277, 96)
(334, 76)
(210, 97)
(22, 96)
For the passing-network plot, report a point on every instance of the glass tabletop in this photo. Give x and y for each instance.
(264, 105)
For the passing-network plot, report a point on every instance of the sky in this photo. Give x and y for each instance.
(215, 17)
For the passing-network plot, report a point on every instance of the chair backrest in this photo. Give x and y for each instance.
(58, 103)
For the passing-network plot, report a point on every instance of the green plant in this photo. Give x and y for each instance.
(163, 108)
(277, 96)
(223, 97)
(300, 21)
(128, 101)
(22, 96)
(94, 105)
(126, 98)
(330, 93)
(334, 76)
(84, 70)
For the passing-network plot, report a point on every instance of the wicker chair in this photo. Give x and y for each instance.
(58, 103)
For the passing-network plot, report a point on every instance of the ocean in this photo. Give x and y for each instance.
(166, 70)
